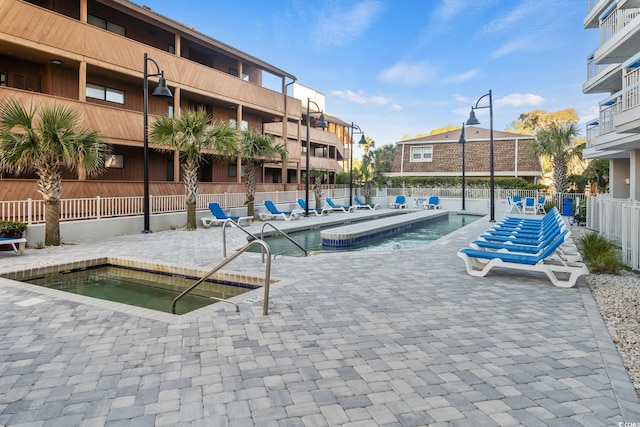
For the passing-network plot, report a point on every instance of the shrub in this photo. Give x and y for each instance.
(12, 228)
(600, 254)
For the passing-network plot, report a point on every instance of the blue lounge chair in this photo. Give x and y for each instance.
(219, 216)
(361, 205)
(317, 211)
(530, 206)
(12, 242)
(433, 203)
(337, 208)
(514, 202)
(479, 262)
(400, 202)
(541, 203)
(275, 213)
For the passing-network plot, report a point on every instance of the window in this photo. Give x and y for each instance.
(421, 154)
(104, 93)
(234, 72)
(115, 161)
(244, 124)
(233, 171)
(105, 25)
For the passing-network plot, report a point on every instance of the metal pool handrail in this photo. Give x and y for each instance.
(224, 235)
(283, 234)
(267, 277)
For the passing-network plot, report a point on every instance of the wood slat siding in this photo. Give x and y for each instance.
(41, 29)
(22, 189)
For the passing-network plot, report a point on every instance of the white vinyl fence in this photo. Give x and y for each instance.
(619, 220)
(32, 211)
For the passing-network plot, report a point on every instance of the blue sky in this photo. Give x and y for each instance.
(402, 67)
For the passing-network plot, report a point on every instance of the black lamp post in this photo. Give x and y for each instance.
(362, 141)
(474, 121)
(321, 124)
(463, 142)
(161, 91)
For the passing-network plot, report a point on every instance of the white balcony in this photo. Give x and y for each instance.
(619, 36)
(628, 119)
(596, 8)
(602, 77)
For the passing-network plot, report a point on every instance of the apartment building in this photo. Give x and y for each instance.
(613, 70)
(440, 155)
(89, 54)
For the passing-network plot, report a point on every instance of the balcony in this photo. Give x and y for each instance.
(75, 41)
(619, 36)
(628, 120)
(602, 77)
(596, 8)
(316, 136)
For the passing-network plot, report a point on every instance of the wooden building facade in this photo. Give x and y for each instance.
(89, 55)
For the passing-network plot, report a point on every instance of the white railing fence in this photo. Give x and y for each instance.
(631, 235)
(482, 193)
(618, 220)
(32, 211)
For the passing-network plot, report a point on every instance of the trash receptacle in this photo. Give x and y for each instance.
(567, 206)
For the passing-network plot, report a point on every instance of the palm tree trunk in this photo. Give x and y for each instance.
(50, 187)
(52, 224)
(191, 192)
(560, 174)
(250, 176)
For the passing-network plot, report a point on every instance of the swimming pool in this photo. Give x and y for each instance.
(139, 287)
(410, 237)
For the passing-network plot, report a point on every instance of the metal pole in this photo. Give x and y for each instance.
(306, 190)
(146, 147)
(491, 165)
(464, 142)
(351, 167)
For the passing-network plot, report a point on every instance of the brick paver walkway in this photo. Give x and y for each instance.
(403, 338)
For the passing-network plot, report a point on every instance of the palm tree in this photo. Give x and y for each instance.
(319, 177)
(46, 141)
(191, 133)
(256, 148)
(556, 142)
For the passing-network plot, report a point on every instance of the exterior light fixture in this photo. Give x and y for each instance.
(161, 91)
(474, 121)
(321, 124)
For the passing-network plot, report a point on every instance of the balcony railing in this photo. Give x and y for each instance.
(607, 113)
(616, 21)
(630, 89)
(594, 69)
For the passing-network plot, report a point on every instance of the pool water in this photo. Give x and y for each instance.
(139, 288)
(419, 235)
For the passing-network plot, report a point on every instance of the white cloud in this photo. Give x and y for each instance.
(460, 98)
(448, 9)
(395, 107)
(408, 74)
(523, 44)
(359, 97)
(461, 78)
(502, 23)
(519, 99)
(336, 27)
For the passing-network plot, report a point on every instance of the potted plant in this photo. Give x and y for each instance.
(13, 230)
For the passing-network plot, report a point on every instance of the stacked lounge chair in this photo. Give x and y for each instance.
(527, 244)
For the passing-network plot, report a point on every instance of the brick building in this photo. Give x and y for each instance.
(441, 155)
